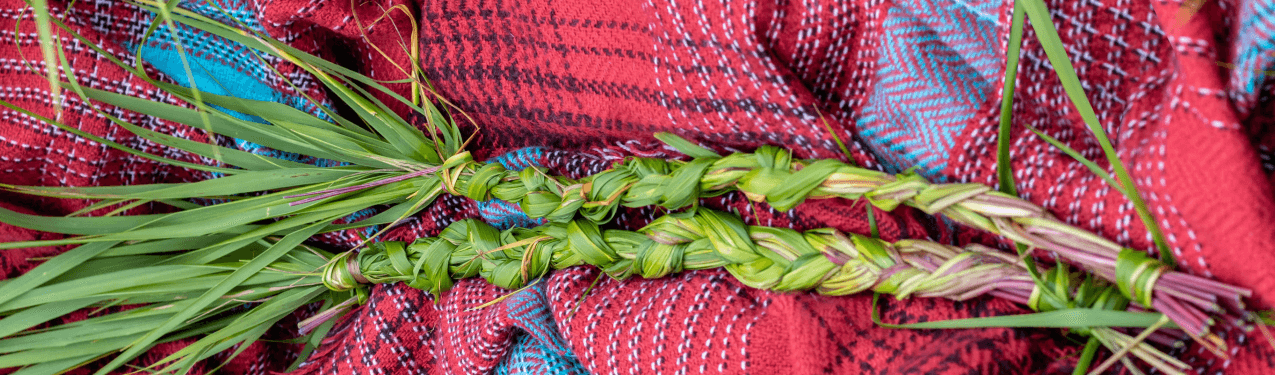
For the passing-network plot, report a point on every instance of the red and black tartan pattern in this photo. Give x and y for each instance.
(595, 80)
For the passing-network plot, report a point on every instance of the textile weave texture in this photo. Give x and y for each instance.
(1186, 96)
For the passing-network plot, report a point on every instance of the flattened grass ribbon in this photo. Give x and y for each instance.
(1136, 275)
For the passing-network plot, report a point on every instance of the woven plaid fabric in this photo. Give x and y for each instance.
(906, 84)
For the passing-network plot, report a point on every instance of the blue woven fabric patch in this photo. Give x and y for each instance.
(1254, 61)
(909, 122)
(541, 350)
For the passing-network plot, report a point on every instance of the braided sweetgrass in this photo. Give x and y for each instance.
(772, 175)
(270, 206)
(822, 260)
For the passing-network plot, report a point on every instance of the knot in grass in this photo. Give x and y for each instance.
(340, 274)
(1136, 275)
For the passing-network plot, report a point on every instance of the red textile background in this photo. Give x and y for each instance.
(596, 78)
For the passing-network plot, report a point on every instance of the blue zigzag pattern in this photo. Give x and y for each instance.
(540, 349)
(1255, 57)
(937, 62)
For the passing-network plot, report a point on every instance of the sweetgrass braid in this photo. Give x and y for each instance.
(823, 260)
(779, 259)
(772, 175)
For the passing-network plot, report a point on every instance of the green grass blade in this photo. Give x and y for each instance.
(235, 278)
(1003, 166)
(51, 269)
(247, 182)
(95, 348)
(1086, 356)
(165, 246)
(231, 156)
(275, 113)
(1057, 54)
(426, 194)
(99, 265)
(1066, 318)
(67, 337)
(1093, 167)
(224, 124)
(104, 284)
(684, 146)
(245, 327)
(55, 367)
(40, 314)
(68, 225)
(45, 33)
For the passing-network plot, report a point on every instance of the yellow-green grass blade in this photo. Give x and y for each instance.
(220, 218)
(1057, 55)
(1003, 165)
(165, 13)
(37, 315)
(73, 84)
(86, 349)
(1075, 318)
(684, 146)
(51, 269)
(231, 156)
(275, 113)
(45, 34)
(99, 348)
(165, 245)
(285, 227)
(104, 284)
(55, 367)
(198, 118)
(398, 211)
(102, 204)
(99, 265)
(1086, 356)
(313, 339)
(398, 129)
(341, 144)
(68, 225)
(247, 182)
(195, 222)
(87, 333)
(246, 326)
(1093, 167)
(275, 252)
(179, 289)
(224, 124)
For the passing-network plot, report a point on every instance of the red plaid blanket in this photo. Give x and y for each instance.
(1185, 96)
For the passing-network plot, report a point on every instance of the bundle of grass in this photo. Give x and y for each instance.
(212, 260)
